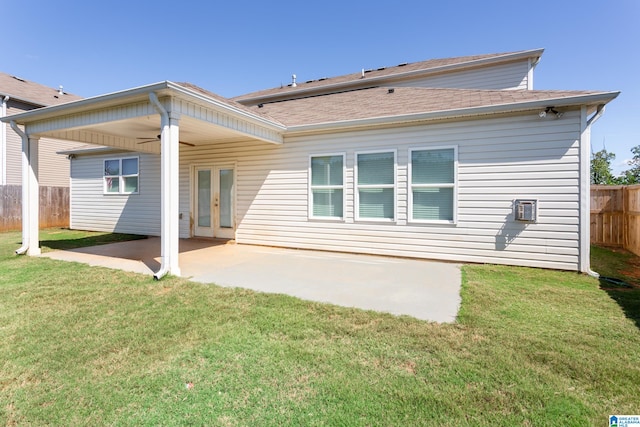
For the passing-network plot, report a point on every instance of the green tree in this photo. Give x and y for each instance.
(601, 168)
(632, 176)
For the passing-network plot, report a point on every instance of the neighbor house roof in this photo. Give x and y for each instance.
(403, 102)
(381, 75)
(32, 93)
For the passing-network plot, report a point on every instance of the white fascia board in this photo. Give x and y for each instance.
(600, 98)
(100, 101)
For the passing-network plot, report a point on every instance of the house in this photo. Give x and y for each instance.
(455, 159)
(18, 95)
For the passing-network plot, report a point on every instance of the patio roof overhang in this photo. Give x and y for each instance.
(123, 119)
(153, 118)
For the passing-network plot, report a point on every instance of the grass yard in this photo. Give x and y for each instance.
(91, 346)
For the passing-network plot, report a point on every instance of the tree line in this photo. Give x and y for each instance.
(601, 168)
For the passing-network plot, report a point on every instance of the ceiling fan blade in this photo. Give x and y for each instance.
(187, 143)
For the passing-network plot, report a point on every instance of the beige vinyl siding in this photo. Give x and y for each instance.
(500, 160)
(133, 213)
(14, 158)
(53, 168)
(505, 76)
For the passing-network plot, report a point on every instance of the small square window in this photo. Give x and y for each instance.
(121, 176)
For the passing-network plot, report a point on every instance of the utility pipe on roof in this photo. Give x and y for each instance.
(164, 121)
(25, 188)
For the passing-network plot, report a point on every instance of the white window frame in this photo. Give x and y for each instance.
(343, 187)
(120, 176)
(357, 186)
(454, 185)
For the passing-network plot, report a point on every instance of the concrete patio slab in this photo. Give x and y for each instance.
(423, 289)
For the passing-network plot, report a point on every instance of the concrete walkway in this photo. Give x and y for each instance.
(422, 289)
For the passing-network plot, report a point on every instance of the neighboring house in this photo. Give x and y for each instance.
(17, 96)
(454, 159)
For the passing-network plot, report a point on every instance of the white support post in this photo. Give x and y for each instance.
(585, 193)
(33, 199)
(169, 220)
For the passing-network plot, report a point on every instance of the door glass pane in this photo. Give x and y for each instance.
(226, 198)
(204, 198)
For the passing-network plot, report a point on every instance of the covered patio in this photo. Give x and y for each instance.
(422, 289)
(156, 118)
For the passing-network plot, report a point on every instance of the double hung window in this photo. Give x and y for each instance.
(432, 182)
(376, 186)
(327, 186)
(121, 176)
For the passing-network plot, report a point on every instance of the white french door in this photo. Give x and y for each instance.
(214, 201)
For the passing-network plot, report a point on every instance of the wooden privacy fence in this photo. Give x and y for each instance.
(54, 207)
(615, 216)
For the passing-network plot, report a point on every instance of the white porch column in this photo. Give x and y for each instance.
(33, 205)
(169, 218)
(30, 193)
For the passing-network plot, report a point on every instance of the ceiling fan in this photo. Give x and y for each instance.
(157, 139)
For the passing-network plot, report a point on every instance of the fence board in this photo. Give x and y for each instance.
(615, 216)
(54, 207)
(632, 218)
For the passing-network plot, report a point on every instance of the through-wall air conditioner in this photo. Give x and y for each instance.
(526, 210)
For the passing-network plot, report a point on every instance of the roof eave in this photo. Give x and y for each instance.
(592, 99)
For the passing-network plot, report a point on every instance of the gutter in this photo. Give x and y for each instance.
(25, 191)
(164, 120)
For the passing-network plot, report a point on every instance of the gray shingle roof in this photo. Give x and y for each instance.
(376, 74)
(32, 93)
(378, 102)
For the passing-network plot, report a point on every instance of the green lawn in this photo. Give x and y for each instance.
(91, 346)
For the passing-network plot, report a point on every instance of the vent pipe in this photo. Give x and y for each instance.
(293, 80)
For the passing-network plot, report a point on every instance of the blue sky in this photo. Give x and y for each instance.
(235, 47)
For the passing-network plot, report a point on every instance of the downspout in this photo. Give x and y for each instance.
(25, 190)
(599, 112)
(164, 121)
(3, 142)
